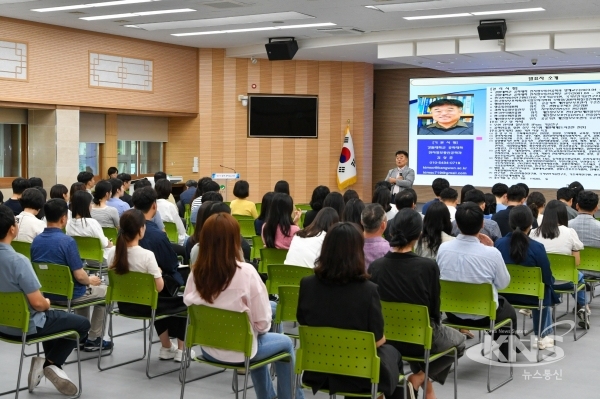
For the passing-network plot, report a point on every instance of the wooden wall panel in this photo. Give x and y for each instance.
(58, 70)
(219, 133)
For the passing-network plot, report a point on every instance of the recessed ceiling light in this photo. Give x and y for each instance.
(463, 14)
(508, 11)
(92, 5)
(374, 8)
(217, 32)
(445, 62)
(132, 26)
(136, 14)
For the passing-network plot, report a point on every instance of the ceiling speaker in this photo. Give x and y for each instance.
(492, 29)
(281, 48)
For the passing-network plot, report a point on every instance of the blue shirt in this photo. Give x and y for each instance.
(157, 219)
(121, 206)
(54, 246)
(536, 257)
(500, 207)
(187, 196)
(17, 275)
(156, 240)
(427, 205)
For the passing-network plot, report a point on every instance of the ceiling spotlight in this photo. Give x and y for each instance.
(253, 60)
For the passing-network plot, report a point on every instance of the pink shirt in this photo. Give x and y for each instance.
(246, 293)
(281, 240)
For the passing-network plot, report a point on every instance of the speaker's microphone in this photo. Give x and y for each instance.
(227, 167)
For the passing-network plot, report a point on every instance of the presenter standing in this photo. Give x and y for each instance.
(401, 176)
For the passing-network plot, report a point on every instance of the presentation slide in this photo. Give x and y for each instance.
(542, 130)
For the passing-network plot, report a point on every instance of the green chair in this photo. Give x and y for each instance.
(258, 207)
(257, 244)
(302, 217)
(22, 247)
(242, 217)
(271, 256)
(287, 307)
(285, 275)
(304, 207)
(477, 300)
(342, 352)
(135, 288)
(188, 219)
(589, 262)
(14, 312)
(564, 269)
(222, 329)
(171, 229)
(90, 248)
(247, 228)
(408, 323)
(111, 233)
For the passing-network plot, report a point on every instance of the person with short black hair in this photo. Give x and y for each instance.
(350, 194)
(18, 186)
(374, 222)
(465, 259)
(162, 175)
(446, 114)
(116, 194)
(29, 225)
(187, 196)
(353, 210)
(168, 211)
(525, 187)
(566, 196)
(401, 177)
(156, 219)
(449, 197)
(405, 199)
(155, 239)
(59, 191)
(438, 185)
(240, 205)
(586, 226)
(107, 216)
(515, 196)
(282, 186)
(500, 191)
(36, 182)
(87, 178)
(204, 187)
(490, 228)
(316, 203)
(113, 173)
(306, 244)
(126, 179)
(466, 188)
(17, 275)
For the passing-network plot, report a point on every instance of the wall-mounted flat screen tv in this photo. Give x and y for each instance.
(283, 116)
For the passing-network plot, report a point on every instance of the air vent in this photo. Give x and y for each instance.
(122, 21)
(76, 12)
(342, 31)
(226, 4)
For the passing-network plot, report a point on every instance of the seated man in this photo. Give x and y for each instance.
(17, 275)
(500, 190)
(490, 228)
(449, 196)
(54, 246)
(126, 179)
(437, 186)
(465, 259)
(155, 239)
(18, 186)
(516, 196)
(117, 192)
(566, 196)
(374, 223)
(30, 226)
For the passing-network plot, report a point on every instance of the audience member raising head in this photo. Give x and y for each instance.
(438, 185)
(350, 194)
(335, 200)
(316, 203)
(264, 210)
(586, 226)
(59, 191)
(383, 196)
(353, 210)
(115, 200)
(536, 202)
(279, 228)
(306, 244)
(463, 191)
(282, 186)
(437, 229)
(29, 226)
(374, 223)
(107, 216)
(240, 205)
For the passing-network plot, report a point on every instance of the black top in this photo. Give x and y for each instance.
(309, 217)
(127, 198)
(14, 205)
(156, 240)
(408, 278)
(502, 219)
(258, 224)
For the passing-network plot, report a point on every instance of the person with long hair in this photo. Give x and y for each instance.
(107, 216)
(282, 186)
(517, 248)
(537, 202)
(437, 229)
(490, 205)
(558, 238)
(335, 200)
(221, 279)
(404, 276)
(264, 210)
(352, 211)
(306, 244)
(74, 188)
(316, 203)
(280, 226)
(128, 256)
(383, 197)
(340, 295)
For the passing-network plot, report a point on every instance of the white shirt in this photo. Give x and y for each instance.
(29, 226)
(452, 210)
(169, 213)
(87, 227)
(139, 259)
(304, 251)
(391, 213)
(566, 242)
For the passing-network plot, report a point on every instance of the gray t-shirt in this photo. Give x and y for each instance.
(107, 216)
(17, 275)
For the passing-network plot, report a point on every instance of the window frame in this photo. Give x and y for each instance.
(6, 182)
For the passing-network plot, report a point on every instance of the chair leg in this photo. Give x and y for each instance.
(426, 380)
(80, 390)
(374, 391)
(183, 370)
(510, 361)
(455, 377)
(150, 376)
(585, 329)
(247, 369)
(111, 336)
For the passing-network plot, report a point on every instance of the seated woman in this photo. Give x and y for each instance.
(59, 191)
(241, 206)
(537, 202)
(404, 276)
(168, 211)
(316, 203)
(436, 230)
(517, 248)
(106, 215)
(280, 226)
(127, 257)
(383, 197)
(353, 211)
(558, 238)
(306, 244)
(264, 209)
(221, 279)
(340, 295)
(32, 200)
(334, 200)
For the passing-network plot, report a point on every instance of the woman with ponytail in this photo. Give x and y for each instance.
(106, 215)
(537, 202)
(128, 256)
(517, 248)
(404, 276)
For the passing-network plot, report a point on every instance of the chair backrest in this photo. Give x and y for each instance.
(247, 227)
(55, 279)
(133, 287)
(258, 207)
(243, 217)
(304, 207)
(302, 217)
(171, 229)
(590, 259)
(467, 298)
(525, 280)
(89, 248)
(219, 329)
(563, 267)
(288, 303)
(14, 311)
(257, 245)
(338, 351)
(406, 322)
(111, 233)
(271, 256)
(22, 247)
(285, 275)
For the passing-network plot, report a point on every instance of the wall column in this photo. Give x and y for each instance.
(42, 145)
(109, 148)
(67, 146)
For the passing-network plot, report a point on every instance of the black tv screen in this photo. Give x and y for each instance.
(281, 116)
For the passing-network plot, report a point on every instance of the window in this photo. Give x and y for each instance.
(11, 143)
(139, 157)
(89, 158)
